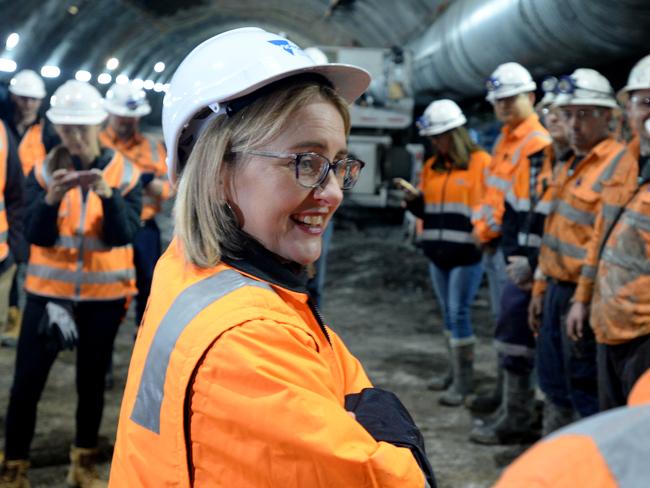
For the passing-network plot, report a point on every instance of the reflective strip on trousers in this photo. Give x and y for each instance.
(574, 215)
(563, 248)
(529, 240)
(622, 438)
(447, 235)
(83, 277)
(458, 208)
(186, 306)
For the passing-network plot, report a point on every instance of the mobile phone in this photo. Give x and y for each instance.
(87, 178)
(402, 184)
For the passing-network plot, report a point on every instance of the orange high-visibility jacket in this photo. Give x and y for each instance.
(149, 156)
(620, 273)
(80, 266)
(4, 223)
(234, 383)
(578, 198)
(31, 148)
(510, 153)
(608, 450)
(451, 196)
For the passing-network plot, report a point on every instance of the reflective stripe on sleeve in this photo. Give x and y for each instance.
(148, 402)
(588, 272)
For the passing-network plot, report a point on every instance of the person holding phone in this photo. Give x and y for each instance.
(84, 203)
(450, 190)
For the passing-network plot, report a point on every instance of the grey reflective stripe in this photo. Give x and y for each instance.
(588, 271)
(543, 207)
(80, 277)
(575, 215)
(186, 306)
(127, 175)
(2, 205)
(458, 208)
(47, 178)
(517, 154)
(499, 183)
(610, 212)
(563, 248)
(530, 240)
(3, 236)
(518, 204)
(622, 438)
(514, 349)
(632, 263)
(608, 172)
(447, 235)
(637, 220)
(89, 243)
(489, 218)
(155, 155)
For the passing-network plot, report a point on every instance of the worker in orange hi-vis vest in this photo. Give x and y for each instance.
(600, 170)
(615, 278)
(511, 91)
(84, 209)
(608, 450)
(235, 380)
(125, 105)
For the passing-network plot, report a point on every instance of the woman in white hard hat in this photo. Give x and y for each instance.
(235, 380)
(450, 190)
(84, 207)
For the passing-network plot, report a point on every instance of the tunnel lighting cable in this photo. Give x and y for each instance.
(7, 65)
(104, 79)
(159, 67)
(83, 75)
(50, 71)
(112, 64)
(12, 41)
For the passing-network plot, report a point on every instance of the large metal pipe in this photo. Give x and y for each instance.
(464, 45)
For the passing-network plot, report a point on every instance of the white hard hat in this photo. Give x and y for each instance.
(76, 103)
(549, 87)
(127, 101)
(317, 56)
(639, 79)
(440, 116)
(507, 80)
(27, 83)
(231, 65)
(585, 86)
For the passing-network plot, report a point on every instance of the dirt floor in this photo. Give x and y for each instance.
(378, 298)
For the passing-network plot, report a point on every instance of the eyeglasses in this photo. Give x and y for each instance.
(638, 100)
(311, 169)
(581, 114)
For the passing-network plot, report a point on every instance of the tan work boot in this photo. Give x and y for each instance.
(13, 474)
(83, 471)
(12, 329)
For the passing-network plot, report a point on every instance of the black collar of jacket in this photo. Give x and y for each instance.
(253, 258)
(100, 162)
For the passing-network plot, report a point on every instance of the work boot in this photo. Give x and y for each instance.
(12, 329)
(83, 471)
(13, 474)
(463, 375)
(514, 424)
(442, 382)
(487, 404)
(555, 417)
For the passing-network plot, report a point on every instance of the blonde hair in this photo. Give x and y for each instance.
(204, 223)
(461, 148)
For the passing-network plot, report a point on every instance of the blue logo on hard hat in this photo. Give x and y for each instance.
(132, 103)
(288, 46)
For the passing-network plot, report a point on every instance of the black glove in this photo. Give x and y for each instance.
(386, 419)
(146, 178)
(58, 325)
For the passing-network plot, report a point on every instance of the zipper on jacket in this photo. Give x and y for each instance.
(442, 204)
(319, 318)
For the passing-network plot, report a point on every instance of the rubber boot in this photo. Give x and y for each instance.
(83, 471)
(515, 422)
(487, 404)
(13, 474)
(12, 329)
(442, 382)
(555, 417)
(463, 373)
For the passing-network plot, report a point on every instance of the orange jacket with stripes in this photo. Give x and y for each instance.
(149, 156)
(80, 266)
(233, 382)
(510, 153)
(578, 198)
(4, 222)
(607, 450)
(31, 148)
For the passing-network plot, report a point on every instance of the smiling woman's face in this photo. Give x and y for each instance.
(286, 218)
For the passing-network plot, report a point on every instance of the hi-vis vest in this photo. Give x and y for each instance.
(31, 148)
(4, 224)
(241, 371)
(80, 266)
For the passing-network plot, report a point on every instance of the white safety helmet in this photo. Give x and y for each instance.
(440, 116)
(76, 103)
(507, 80)
(317, 56)
(585, 86)
(639, 79)
(126, 101)
(27, 83)
(231, 65)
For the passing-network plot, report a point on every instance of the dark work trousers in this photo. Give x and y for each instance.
(97, 324)
(146, 251)
(566, 369)
(513, 338)
(619, 367)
